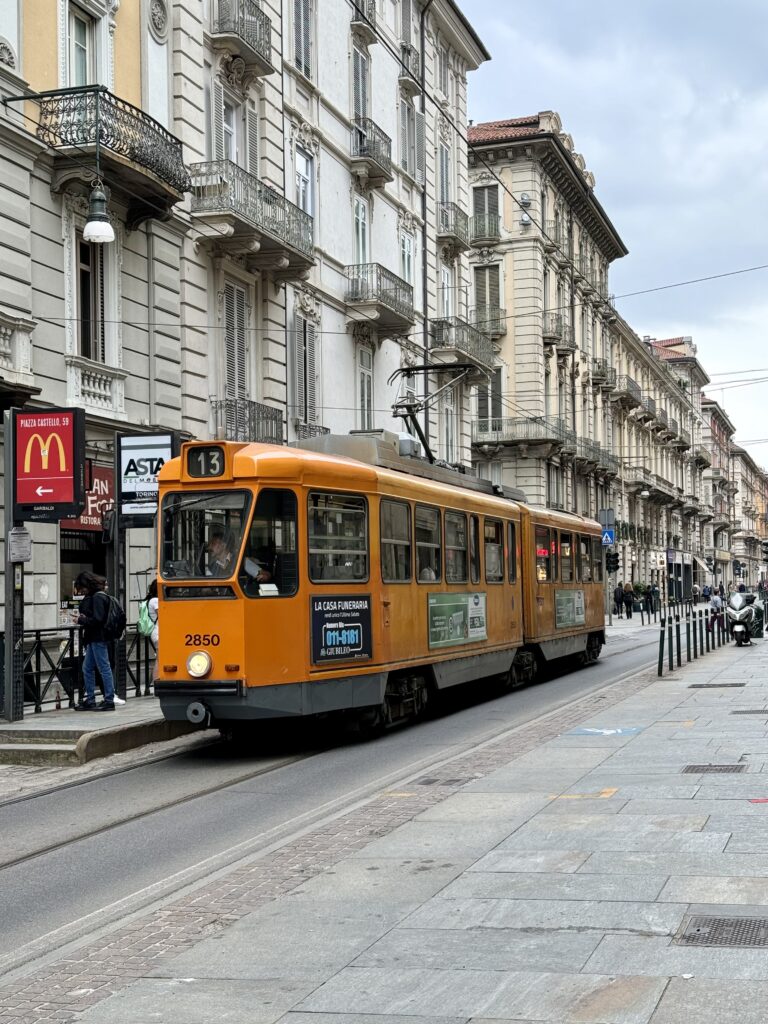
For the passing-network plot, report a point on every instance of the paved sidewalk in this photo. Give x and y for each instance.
(550, 875)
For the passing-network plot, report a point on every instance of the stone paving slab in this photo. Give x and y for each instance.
(567, 999)
(510, 809)
(715, 889)
(372, 1018)
(549, 885)
(439, 839)
(655, 957)
(406, 882)
(703, 1001)
(674, 863)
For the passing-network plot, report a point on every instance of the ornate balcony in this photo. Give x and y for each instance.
(456, 338)
(691, 505)
(673, 426)
(637, 478)
(364, 20)
(552, 327)
(607, 462)
(490, 320)
(98, 388)
(238, 213)
(706, 512)
(306, 430)
(484, 229)
(239, 419)
(603, 375)
(662, 421)
(371, 152)
(702, 456)
(566, 344)
(521, 431)
(244, 29)
(410, 71)
(588, 454)
(375, 293)
(646, 411)
(627, 392)
(682, 440)
(554, 237)
(452, 227)
(136, 153)
(662, 491)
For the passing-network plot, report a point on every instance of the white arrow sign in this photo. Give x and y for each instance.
(43, 490)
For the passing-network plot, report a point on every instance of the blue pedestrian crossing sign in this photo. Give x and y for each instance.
(609, 538)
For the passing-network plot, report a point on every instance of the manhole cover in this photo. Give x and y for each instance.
(441, 782)
(759, 711)
(713, 686)
(725, 931)
(722, 769)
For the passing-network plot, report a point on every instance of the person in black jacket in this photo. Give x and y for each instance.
(94, 610)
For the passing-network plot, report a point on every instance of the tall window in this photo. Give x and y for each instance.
(489, 401)
(90, 300)
(406, 257)
(229, 128)
(405, 20)
(81, 47)
(485, 202)
(487, 295)
(235, 341)
(234, 128)
(446, 291)
(302, 36)
(443, 71)
(408, 137)
(365, 387)
(304, 181)
(448, 416)
(304, 360)
(359, 83)
(444, 158)
(362, 247)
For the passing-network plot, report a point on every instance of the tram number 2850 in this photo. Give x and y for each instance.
(202, 640)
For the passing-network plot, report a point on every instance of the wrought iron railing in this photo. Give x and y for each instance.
(638, 475)
(409, 56)
(364, 11)
(452, 332)
(371, 282)
(369, 142)
(491, 320)
(92, 116)
(307, 430)
(673, 425)
(498, 429)
(588, 451)
(601, 371)
(219, 185)
(552, 325)
(452, 222)
(685, 437)
(554, 236)
(484, 227)
(628, 386)
(607, 461)
(567, 341)
(244, 18)
(240, 419)
(663, 417)
(649, 405)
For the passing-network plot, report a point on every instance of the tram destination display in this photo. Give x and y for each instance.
(341, 627)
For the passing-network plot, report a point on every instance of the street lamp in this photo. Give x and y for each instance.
(97, 227)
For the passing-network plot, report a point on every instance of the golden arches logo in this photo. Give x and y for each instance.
(45, 451)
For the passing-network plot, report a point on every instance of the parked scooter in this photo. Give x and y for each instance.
(741, 614)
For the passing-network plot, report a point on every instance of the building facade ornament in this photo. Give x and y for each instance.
(7, 56)
(308, 304)
(234, 73)
(363, 334)
(486, 255)
(306, 136)
(158, 17)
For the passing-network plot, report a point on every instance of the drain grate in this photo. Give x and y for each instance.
(713, 686)
(759, 711)
(428, 781)
(713, 769)
(745, 932)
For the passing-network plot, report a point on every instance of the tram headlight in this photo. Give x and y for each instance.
(199, 664)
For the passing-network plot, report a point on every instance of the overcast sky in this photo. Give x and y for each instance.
(668, 103)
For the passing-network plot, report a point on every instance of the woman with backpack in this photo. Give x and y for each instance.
(94, 614)
(148, 624)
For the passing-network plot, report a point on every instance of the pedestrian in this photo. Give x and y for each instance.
(706, 592)
(656, 597)
(618, 600)
(648, 601)
(715, 611)
(94, 612)
(742, 588)
(721, 589)
(629, 599)
(695, 593)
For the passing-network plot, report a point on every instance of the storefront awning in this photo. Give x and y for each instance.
(702, 565)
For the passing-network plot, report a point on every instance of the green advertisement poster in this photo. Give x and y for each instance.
(456, 619)
(569, 608)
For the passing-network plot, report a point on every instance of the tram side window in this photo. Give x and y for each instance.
(566, 557)
(474, 549)
(494, 551)
(395, 522)
(270, 555)
(597, 560)
(585, 549)
(543, 555)
(455, 547)
(201, 533)
(428, 562)
(338, 538)
(512, 553)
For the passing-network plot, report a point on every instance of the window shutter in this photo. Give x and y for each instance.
(360, 83)
(217, 119)
(405, 16)
(404, 135)
(230, 345)
(445, 172)
(241, 365)
(252, 136)
(482, 402)
(493, 286)
(496, 393)
(299, 366)
(421, 158)
(493, 199)
(302, 36)
(311, 373)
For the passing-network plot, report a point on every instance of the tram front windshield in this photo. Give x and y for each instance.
(202, 533)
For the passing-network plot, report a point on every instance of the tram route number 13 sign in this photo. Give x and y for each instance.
(341, 627)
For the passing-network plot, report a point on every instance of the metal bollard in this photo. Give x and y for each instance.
(677, 638)
(671, 651)
(695, 636)
(710, 634)
(687, 637)
(661, 648)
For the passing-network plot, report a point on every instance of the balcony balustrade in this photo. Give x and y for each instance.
(637, 477)
(304, 431)
(607, 462)
(691, 505)
(519, 430)
(452, 227)
(244, 28)
(627, 391)
(136, 153)
(603, 374)
(491, 320)
(410, 70)
(554, 237)
(240, 419)
(662, 420)
(683, 440)
(588, 453)
(225, 196)
(96, 387)
(364, 20)
(706, 512)
(566, 343)
(484, 229)
(375, 293)
(647, 409)
(371, 152)
(702, 456)
(455, 337)
(552, 327)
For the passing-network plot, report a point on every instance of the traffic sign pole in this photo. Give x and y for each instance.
(13, 665)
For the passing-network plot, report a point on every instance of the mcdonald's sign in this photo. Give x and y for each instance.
(49, 473)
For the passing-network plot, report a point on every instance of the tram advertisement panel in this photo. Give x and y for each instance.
(341, 627)
(569, 608)
(456, 619)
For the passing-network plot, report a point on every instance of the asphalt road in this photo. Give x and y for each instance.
(127, 840)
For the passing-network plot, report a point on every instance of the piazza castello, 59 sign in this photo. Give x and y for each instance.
(49, 470)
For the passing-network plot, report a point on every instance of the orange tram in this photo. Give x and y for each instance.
(345, 576)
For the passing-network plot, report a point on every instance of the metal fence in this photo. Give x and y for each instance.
(244, 18)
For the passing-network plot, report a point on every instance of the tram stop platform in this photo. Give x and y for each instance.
(68, 737)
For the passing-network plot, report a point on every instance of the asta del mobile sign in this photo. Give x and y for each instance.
(140, 457)
(49, 465)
